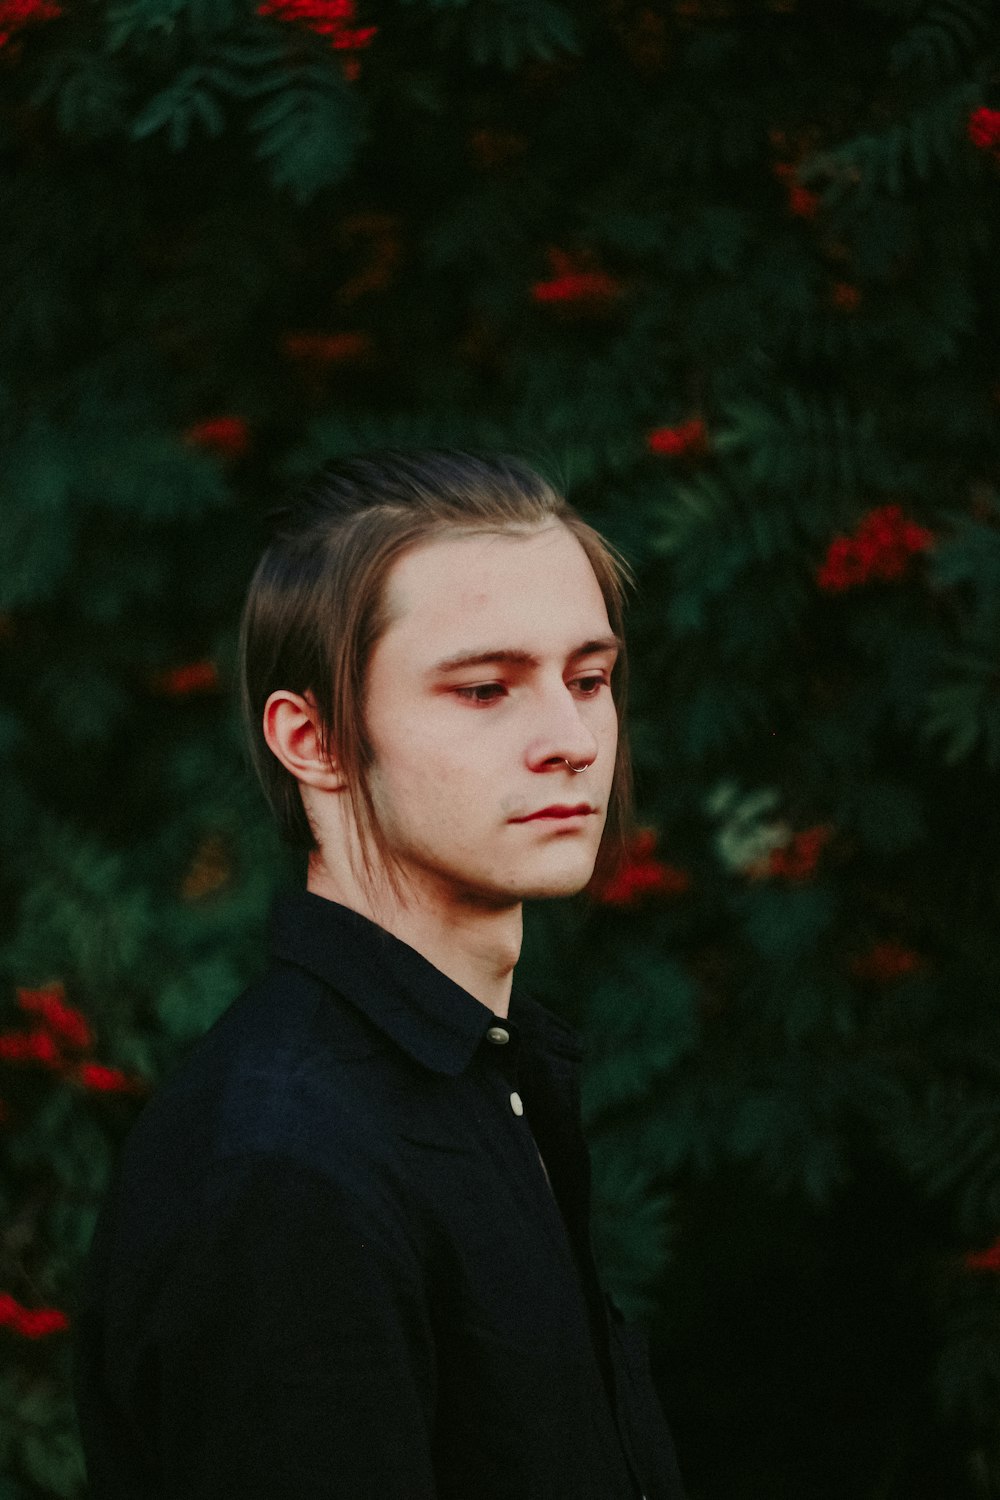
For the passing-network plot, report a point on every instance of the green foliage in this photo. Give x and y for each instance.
(782, 232)
(909, 152)
(814, 449)
(642, 1023)
(190, 102)
(949, 1142)
(38, 1438)
(87, 91)
(785, 924)
(633, 1234)
(788, 1128)
(964, 712)
(507, 32)
(944, 40)
(963, 707)
(308, 133)
(130, 20)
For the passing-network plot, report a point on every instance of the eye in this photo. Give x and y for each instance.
(591, 686)
(474, 694)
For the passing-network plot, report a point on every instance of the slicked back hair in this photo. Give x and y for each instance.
(316, 608)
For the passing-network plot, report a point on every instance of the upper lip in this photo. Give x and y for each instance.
(558, 810)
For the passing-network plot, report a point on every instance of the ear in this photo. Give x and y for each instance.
(289, 726)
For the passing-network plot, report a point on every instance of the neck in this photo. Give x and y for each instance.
(477, 945)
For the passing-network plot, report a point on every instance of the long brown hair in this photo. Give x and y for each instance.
(316, 608)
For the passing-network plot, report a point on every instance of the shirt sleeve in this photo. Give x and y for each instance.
(293, 1348)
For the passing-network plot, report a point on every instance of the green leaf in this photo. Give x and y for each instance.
(963, 713)
(188, 1005)
(190, 99)
(631, 1226)
(308, 132)
(89, 93)
(886, 816)
(943, 40)
(810, 448)
(129, 20)
(786, 923)
(510, 32)
(641, 1022)
(791, 1128)
(930, 140)
(40, 527)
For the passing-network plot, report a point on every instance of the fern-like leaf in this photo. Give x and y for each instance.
(308, 132)
(939, 46)
(930, 140)
(190, 101)
(511, 32)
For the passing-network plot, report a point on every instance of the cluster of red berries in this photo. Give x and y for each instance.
(229, 437)
(881, 548)
(326, 348)
(845, 296)
(796, 861)
(803, 203)
(30, 1322)
(682, 441)
(885, 962)
(983, 128)
(333, 19)
(16, 14)
(640, 875)
(183, 682)
(62, 1030)
(984, 1260)
(576, 279)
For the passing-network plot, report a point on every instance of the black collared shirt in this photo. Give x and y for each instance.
(346, 1255)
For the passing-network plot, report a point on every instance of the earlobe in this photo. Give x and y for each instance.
(289, 726)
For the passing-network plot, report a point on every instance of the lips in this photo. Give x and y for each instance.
(557, 812)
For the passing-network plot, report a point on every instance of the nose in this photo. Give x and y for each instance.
(563, 734)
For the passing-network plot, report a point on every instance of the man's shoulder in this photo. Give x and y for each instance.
(283, 1098)
(286, 1017)
(282, 1073)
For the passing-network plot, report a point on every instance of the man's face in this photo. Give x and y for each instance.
(465, 753)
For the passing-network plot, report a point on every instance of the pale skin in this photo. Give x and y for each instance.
(463, 752)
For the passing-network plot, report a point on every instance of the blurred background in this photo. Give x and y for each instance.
(726, 271)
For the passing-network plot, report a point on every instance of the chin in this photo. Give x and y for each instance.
(565, 882)
(552, 891)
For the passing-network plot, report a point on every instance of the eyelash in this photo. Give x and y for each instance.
(468, 693)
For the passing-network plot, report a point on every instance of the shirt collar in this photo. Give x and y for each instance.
(418, 1007)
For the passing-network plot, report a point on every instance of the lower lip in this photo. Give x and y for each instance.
(563, 819)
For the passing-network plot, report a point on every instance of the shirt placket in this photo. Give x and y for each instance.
(506, 1045)
(579, 1234)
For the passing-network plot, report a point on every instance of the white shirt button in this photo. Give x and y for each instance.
(515, 1103)
(498, 1035)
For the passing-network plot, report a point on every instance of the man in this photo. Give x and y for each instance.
(347, 1252)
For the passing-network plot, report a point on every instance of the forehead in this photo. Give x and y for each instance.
(536, 590)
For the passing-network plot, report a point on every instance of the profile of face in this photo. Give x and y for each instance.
(492, 679)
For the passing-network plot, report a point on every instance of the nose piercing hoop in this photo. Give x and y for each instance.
(578, 769)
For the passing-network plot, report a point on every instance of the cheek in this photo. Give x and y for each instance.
(606, 730)
(422, 780)
(435, 748)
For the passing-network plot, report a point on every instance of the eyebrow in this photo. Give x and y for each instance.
(509, 657)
